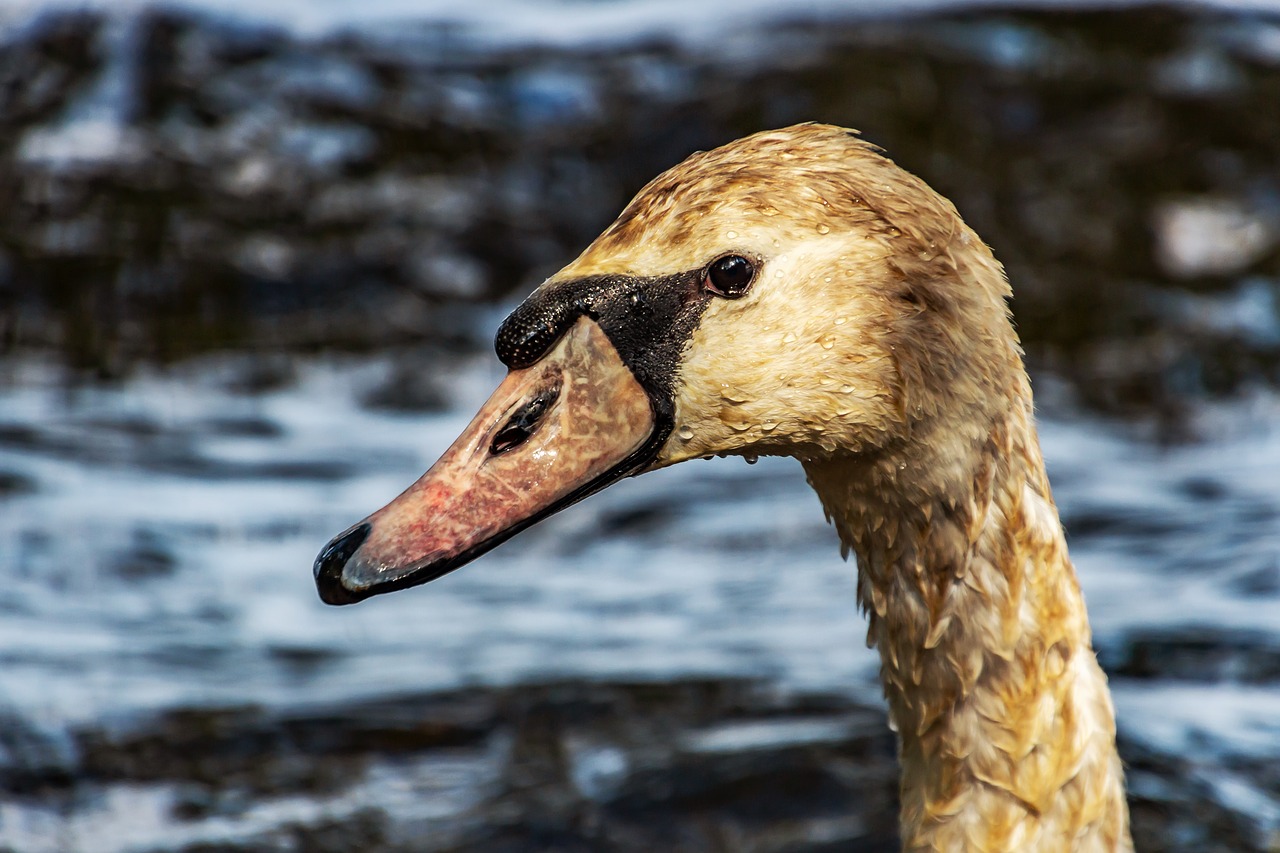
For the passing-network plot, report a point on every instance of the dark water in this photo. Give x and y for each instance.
(247, 280)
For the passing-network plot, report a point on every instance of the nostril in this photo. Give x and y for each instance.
(523, 423)
(329, 565)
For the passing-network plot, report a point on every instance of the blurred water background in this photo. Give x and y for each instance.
(251, 259)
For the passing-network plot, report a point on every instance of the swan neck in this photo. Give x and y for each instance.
(1006, 728)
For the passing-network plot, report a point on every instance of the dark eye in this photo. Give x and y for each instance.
(730, 276)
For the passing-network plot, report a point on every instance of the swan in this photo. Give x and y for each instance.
(796, 293)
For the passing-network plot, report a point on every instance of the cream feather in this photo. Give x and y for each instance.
(876, 347)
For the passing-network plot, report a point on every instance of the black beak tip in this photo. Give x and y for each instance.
(332, 560)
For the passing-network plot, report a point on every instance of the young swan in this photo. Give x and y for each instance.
(795, 293)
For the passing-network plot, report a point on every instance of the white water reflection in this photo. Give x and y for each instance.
(158, 555)
(173, 524)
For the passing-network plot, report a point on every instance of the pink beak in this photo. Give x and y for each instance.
(551, 434)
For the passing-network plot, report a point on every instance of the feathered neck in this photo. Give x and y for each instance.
(1007, 733)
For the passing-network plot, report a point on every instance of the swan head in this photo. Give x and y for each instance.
(792, 293)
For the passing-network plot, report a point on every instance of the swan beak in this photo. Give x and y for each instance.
(552, 433)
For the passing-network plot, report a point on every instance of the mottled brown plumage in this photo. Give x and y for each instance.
(871, 340)
(876, 347)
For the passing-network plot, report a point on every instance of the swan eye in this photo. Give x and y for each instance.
(730, 276)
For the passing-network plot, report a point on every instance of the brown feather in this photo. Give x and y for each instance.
(876, 347)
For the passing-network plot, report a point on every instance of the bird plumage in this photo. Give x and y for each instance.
(879, 351)
(874, 345)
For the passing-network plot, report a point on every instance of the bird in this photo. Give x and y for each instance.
(796, 293)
